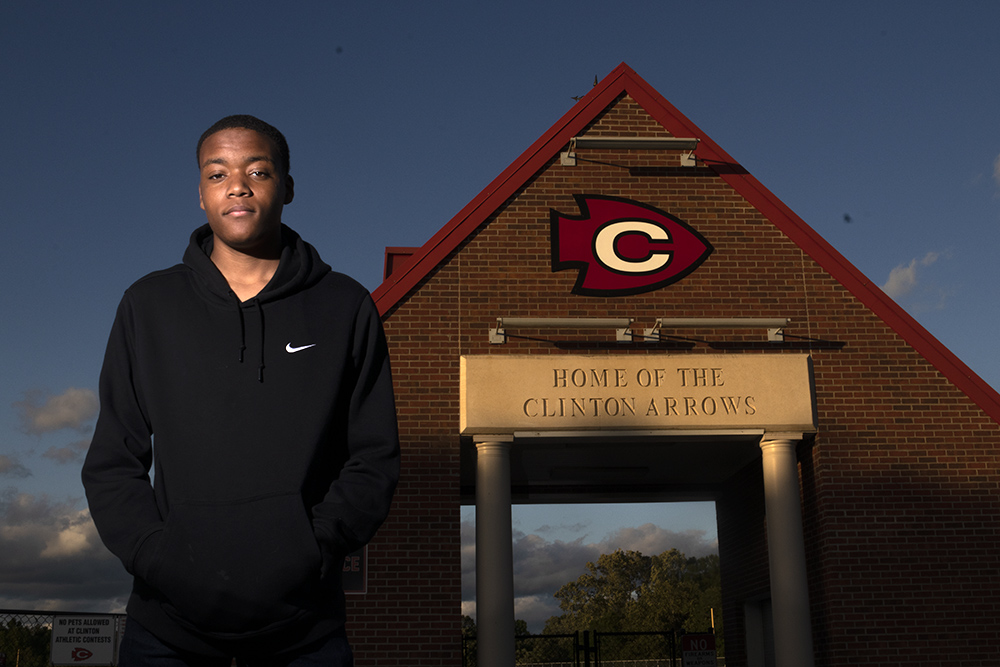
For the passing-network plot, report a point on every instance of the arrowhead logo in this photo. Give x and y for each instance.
(81, 654)
(620, 246)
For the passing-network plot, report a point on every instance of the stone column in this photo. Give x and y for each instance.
(494, 553)
(793, 645)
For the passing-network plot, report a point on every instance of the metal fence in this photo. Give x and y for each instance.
(590, 649)
(551, 650)
(26, 636)
(26, 641)
(635, 649)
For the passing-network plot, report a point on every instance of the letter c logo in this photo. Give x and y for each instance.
(608, 253)
(619, 246)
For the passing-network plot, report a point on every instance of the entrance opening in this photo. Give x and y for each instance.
(553, 544)
(559, 481)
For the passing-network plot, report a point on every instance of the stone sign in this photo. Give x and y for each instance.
(506, 393)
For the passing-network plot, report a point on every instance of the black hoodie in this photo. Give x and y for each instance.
(276, 450)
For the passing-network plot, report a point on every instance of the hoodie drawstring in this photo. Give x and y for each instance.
(260, 366)
(243, 329)
(243, 334)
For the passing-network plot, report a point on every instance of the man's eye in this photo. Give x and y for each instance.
(214, 177)
(260, 174)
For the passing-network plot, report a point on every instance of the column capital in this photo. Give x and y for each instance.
(486, 438)
(780, 437)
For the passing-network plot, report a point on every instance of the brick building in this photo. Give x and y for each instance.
(669, 330)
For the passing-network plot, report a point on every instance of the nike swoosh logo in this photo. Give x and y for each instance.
(293, 350)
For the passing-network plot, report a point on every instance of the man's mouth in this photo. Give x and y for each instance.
(238, 210)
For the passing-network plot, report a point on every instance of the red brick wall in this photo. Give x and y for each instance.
(742, 554)
(900, 487)
(410, 615)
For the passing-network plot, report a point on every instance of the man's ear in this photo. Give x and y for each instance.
(289, 189)
(201, 200)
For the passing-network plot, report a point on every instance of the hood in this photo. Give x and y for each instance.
(300, 267)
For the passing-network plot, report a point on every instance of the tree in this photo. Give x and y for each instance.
(469, 645)
(626, 591)
(27, 646)
(622, 592)
(468, 641)
(676, 592)
(596, 600)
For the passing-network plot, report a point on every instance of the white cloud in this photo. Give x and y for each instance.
(652, 540)
(41, 413)
(537, 608)
(71, 453)
(573, 528)
(903, 278)
(52, 558)
(11, 467)
(77, 536)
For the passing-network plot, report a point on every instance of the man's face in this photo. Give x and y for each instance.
(242, 190)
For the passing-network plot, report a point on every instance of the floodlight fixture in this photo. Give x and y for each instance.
(568, 157)
(621, 325)
(775, 325)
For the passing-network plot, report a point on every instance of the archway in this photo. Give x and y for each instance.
(650, 427)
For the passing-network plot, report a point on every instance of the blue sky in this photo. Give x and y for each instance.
(875, 122)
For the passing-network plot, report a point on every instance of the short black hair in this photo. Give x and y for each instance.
(247, 122)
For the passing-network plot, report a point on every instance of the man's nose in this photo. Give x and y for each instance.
(238, 186)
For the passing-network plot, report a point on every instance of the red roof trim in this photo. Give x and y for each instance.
(395, 257)
(503, 186)
(624, 80)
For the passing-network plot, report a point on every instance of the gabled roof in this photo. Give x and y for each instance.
(624, 80)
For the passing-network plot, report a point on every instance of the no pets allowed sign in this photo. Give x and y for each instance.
(83, 640)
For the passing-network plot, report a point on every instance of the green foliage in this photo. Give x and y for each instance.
(626, 591)
(468, 641)
(26, 646)
(679, 589)
(596, 600)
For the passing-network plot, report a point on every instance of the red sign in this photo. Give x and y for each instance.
(698, 650)
(620, 246)
(354, 577)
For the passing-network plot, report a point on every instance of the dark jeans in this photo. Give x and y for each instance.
(140, 648)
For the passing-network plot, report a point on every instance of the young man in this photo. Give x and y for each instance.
(264, 378)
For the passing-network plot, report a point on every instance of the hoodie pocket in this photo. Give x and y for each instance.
(240, 566)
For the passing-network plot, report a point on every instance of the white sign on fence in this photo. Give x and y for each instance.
(83, 640)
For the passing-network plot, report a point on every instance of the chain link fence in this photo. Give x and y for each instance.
(636, 649)
(26, 636)
(591, 649)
